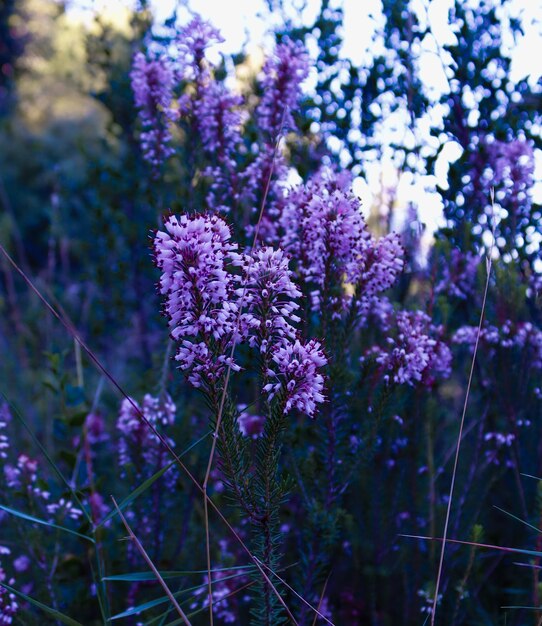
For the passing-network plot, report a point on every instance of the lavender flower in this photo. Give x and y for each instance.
(512, 165)
(281, 87)
(299, 381)
(194, 38)
(8, 601)
(138, 445)
(416, 351)
(5, 418)
(341, 263)
(458, 279)
(269, 294)
(194, 255)
(152, 84)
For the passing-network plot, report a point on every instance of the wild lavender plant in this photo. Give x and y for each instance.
(210, 307)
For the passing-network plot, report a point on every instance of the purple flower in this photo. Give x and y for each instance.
(138, 445)
(5, 418)
(415, 352)
(511, 335)
(152, 84)
(341, 263)
(459, 273)
(250, 425)
(21, 563)
(218, 119)
(512, 166)
(194, 255)
(8, 600)
(209, 306)
(23, 477)
(95, 428)
(63, 509)
(194, 38)
(269, 293)
(283, 74)
(298, 378)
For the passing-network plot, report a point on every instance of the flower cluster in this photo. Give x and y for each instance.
(8, 601)
(226, 582)
(322, 228)
(24, 478)
(512, 165)
(281, 87)
(282, 76)
(510, 335)
(458, 278)
(298, 376)
(210, 307)
(194, 38)
(496, 445)
(219, 120)
(269, 294)
(214, 112)
(415, 352)
(152, 84)
(5, 417)
(194, 255)
(138, 445)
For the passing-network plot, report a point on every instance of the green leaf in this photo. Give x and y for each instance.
(46, 609)
(148, 483)
(141, 607)
(522, 521)
(144, 576)
(37, 520)
(163, 599)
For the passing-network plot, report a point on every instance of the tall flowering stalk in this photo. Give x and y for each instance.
(216, 297)
(152, 85)
(140, 456)
(343, 268)
(282, 76)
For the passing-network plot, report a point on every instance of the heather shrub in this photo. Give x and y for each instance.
(233, 391)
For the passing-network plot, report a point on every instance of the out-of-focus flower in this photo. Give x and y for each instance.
(511, 335)
(95, 428)
(415, 352)
(8, 600)
(23, 477)
(152, 84)
(282, 76)
(5, 418)
(138, 445)
(512, 170)
(21, 563)
(250, 425)
(194, 38)
(62, 509)
(458, 278)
